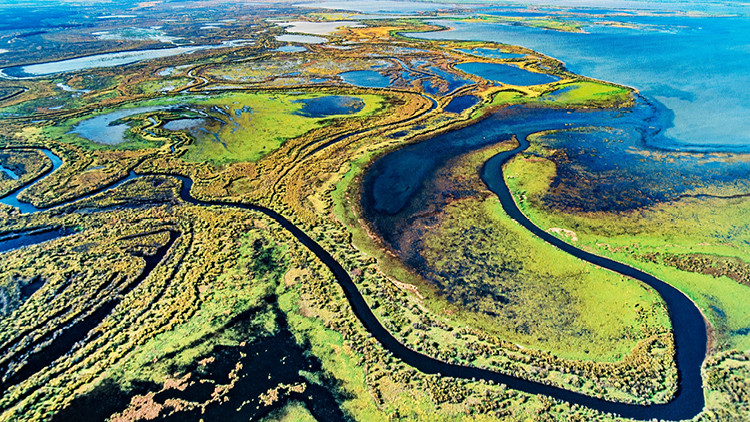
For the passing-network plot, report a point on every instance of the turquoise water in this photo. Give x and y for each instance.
(697, 67)
(506, 74)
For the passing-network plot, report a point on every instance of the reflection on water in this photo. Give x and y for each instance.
(330, 105)
(104, 130)
(108, 60)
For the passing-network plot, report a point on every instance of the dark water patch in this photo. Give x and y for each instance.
(31, 287)
(461, 103)
(17, 240)
(330, 105)
(265, 363)
(506, 74)
(365, 79)
(607, 169)
(106, 399)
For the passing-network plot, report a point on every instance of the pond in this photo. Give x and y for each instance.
(330, 106)
(105, 130)
(461, 103)
(365, 79)
(507, 74)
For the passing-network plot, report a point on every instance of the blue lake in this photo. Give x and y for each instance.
(505, 73)
(365, 79)
(108, 60)
(461, 103)
(330, 106)
(695, 66)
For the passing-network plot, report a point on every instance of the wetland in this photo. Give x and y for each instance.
(324, 215)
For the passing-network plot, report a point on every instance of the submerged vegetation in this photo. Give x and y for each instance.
(154, 306)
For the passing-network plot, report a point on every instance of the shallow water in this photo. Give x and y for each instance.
(330, 105)
(103, 130)
(291, 49)
(690, 64)
(506, 74)
(365, 79)
(490, 53)
(107, 60)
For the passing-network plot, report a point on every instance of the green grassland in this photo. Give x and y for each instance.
(567, 94)
(267, 121)
(234, 280)
(710, 226)
(548, 299)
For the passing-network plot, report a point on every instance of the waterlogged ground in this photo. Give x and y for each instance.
(171, 222)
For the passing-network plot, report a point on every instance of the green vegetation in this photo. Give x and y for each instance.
(587, 93)
(713, 228)
(235, 315)
(546, 23)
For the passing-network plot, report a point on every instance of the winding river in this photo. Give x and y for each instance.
(689, 327)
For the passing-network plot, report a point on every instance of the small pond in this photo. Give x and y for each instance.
(291, 49)
(105, 130)
(507, 74)
(365, 79)
(330, 106)
(461, 103)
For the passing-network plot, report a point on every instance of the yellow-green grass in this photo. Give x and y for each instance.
(241, 287)
(272, 121)
(571, 94)
(604, 305)
(248, 137)
(602, 320)
(708, 226)
(587, 92)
